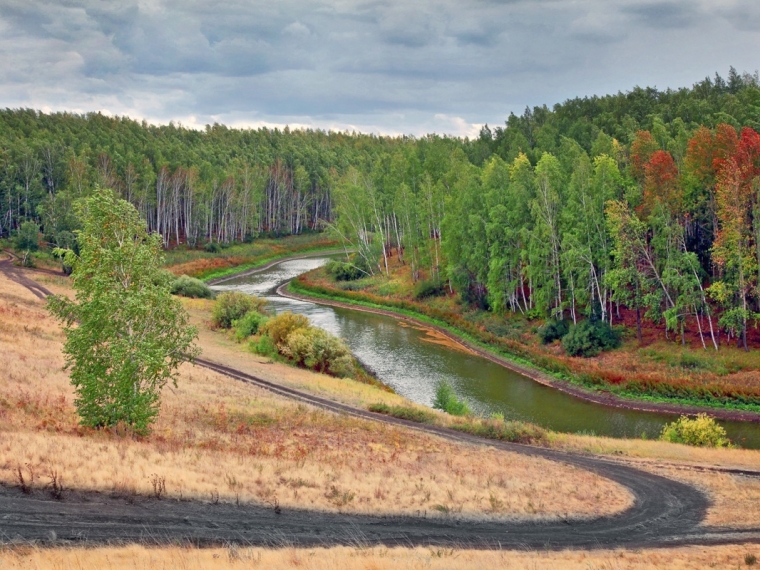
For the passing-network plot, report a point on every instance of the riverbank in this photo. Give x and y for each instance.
(541, 365)
(240, 257)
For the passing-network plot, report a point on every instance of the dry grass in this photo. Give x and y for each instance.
(379, 558)
(642, 449)
(735, 499)
(218, 439)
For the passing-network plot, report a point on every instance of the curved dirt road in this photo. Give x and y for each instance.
(664, 512)
(15, 274)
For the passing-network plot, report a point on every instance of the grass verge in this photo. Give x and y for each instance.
(498, 429)
(240, 257)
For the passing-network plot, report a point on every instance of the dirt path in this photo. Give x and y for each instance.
(603, 398)
(664, 512)
(15, 274)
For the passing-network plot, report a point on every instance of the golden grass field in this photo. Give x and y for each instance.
(378, 558)
(217, 439)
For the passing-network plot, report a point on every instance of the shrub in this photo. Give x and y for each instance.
(702, 431)
(212, 247)
(342, 271)
(319, 350)
(248, 325)
(553, 330)
(428, 288)
(403, 412)
(589, 338)
(263, 346)
(233, 305)
(280, 327)
(185, 286)
(447, 401)
(312, 347)
(28, 237)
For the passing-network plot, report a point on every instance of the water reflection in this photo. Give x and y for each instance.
(403, 359)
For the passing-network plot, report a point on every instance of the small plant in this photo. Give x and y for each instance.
(191, 287)
(248, 325)
(553, 330)
(701, 431)
(56, 484)
(403, 412)
(212, 247)
(263, 346)
(750, 559)
(159, 485)
(339, 498)
(447, 401)
(25, 484)
(496, 503)
(589, 338)
(232, 306)
(342, 271)
(428, 288)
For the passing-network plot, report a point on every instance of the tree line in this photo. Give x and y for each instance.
(551, 217)
(646, 201)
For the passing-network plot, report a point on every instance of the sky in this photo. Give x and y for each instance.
(384, 66)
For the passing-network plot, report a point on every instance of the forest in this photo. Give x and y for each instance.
(646, 201)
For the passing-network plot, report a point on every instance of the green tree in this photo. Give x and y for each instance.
(28, 237)
(125, 333)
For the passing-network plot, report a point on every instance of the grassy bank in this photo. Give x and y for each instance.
(209, 265)
(658, 372)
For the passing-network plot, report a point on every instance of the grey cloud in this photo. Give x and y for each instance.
(386, 64)
(678, 14)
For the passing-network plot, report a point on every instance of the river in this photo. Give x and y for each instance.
(413, 362)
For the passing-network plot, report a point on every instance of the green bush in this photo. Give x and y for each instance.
(553, 330)
(263, 346)
(280, 327)
(589, 338)
(291, 336)
(212, 247)
(319, 350)
(232, 306)
(428, 288)
(185, 286)
(702, 431)
(342, 271)
(28, 237)
(248, 325)
(447, 401)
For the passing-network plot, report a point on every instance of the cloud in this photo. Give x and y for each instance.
(382, 65)
(665, 14)
(297, 29)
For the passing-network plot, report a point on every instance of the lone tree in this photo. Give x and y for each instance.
(125, 333)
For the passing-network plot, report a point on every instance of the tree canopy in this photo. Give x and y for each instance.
(125, 333)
